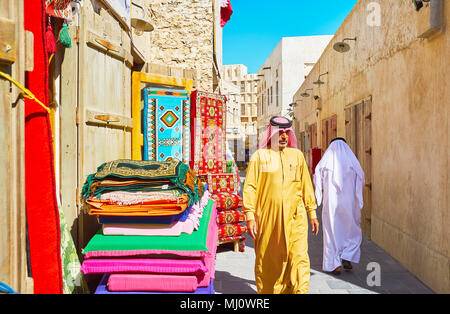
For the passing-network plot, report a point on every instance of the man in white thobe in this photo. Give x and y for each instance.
(341, 178)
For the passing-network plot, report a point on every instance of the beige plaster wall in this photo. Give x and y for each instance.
(407, 78)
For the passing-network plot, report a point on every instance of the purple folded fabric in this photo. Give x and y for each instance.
(144, 265)
(103, 289)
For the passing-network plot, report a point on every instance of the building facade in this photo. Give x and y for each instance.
(283, 71)
(388, 96)
(234, 128)
(247, 83)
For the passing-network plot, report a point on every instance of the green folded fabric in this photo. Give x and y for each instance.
(185, 242)
(171, 170)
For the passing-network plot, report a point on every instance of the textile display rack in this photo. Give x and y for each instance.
(161, 218)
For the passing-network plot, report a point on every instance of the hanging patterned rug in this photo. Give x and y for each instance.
(166, 124)
(42, 209)
(208, 118)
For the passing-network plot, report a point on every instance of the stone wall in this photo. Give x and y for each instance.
(183, 37)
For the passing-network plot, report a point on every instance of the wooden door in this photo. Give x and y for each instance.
(329, 131)
(312, 143)
(301, 142)
(104, 101)
(13, 56)
(366, 155)
(358, 134)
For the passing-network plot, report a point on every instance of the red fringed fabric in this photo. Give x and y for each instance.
(42, 209)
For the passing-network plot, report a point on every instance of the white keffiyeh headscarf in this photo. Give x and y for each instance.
(340, 161)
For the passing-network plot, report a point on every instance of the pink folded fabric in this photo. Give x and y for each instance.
(145, 265)
(147, 282)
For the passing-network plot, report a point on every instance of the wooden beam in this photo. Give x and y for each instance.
(107, 119)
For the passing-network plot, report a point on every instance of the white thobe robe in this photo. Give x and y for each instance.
(341, 177)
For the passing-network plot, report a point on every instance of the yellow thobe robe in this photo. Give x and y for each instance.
(277, 193)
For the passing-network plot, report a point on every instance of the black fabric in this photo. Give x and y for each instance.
(339, 139)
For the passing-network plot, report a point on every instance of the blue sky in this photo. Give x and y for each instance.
(257, 26)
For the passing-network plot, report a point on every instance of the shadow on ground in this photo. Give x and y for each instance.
(225, 283)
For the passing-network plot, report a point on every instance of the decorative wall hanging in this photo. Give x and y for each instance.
(166, 124)
(208, 118)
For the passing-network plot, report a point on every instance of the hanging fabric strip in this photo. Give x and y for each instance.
(26, 92)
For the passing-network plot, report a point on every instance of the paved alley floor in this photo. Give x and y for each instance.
(235, 274)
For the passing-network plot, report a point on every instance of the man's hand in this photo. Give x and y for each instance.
(252, 229)
(314, 226)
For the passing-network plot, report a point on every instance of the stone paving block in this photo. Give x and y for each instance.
(338, 284)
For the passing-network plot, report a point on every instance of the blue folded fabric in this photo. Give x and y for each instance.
(102, 289)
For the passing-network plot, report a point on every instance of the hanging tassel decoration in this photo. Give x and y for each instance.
(50, 41)
(64, 37)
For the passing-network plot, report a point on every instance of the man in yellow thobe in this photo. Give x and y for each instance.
(277, 195)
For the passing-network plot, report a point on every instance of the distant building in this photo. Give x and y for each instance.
(234, 129)
(248, 88)
(283, 71)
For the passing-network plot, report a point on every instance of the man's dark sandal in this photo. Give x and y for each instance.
(347, 264)
(337, 271)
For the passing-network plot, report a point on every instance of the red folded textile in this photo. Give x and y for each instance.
(222, 183)
(230, 217)
(231, 230)
(226, 201)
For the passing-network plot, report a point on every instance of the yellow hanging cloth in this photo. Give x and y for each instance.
(26, 93)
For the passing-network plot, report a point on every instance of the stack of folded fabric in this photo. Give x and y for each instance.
(230, 217)
(159, 229)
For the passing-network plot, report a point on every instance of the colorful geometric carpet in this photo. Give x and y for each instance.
(208, 119)
(166, 124)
